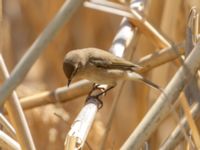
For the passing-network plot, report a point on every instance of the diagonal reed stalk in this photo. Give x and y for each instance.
(160, 108)
(29, 58)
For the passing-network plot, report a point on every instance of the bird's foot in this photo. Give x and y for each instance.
(95, 98)
(102, 89)
(105, 91)
(96, 87)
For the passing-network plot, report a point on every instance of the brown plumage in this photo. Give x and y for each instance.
(100, 67)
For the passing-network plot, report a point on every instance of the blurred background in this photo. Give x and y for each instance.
(24, 20)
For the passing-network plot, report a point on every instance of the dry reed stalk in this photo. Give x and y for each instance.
(191, 122)
(176, 135)
(62, 94)
(135, 18)
(25, 63)
(7, 142)
(192, 89)
(16, 115)
(13, 106)
(160, 108)
(81, 126)
(7, 126)
(161, 74)
(70, 143)
(161, 57)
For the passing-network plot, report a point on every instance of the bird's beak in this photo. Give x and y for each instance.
(69, 81)
(72, 75)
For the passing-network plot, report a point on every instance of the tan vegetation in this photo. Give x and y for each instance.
(50, 117)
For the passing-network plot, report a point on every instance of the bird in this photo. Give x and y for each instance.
(101, 67)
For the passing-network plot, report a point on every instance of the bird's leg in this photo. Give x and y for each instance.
(91, 98)
(95, 87)
(105, 91)
(96, 97)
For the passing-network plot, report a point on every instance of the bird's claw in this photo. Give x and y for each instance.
(97, 86)
(95, 98)
(103, 90)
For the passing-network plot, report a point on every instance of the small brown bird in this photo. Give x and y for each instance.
(100, 67)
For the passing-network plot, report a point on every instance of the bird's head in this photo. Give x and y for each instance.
(71, 65)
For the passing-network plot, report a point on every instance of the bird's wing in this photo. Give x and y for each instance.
(114, 63)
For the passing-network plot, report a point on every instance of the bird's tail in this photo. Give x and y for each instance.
(151, 84)
(136, 76)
